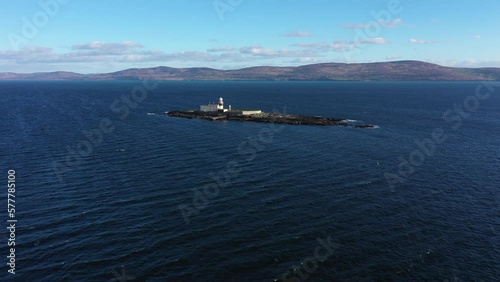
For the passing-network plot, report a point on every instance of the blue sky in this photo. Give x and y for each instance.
(102, 36)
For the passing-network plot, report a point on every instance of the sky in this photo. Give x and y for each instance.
(90, 36)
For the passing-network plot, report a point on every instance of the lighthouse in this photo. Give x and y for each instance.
(220, 106)
(214, 107)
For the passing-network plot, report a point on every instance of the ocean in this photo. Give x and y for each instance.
(110, 189)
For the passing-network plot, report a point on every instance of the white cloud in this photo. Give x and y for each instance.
(37, 49)
(342, 46)
(391, 24)
(305, 60)
(392, 57)
(222, 49)
(263, 52)
(375, 40)
(35, 54)
(99, 45)
(257, 50)
(318, 47)
(420, 41)
(467, 63)
(476, 36)
(132, 54)
(129, 53)
(298, 34)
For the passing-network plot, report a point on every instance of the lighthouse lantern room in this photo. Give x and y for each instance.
(220, 106)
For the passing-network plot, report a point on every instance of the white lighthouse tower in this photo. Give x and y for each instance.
(213, 107)
(220, 106)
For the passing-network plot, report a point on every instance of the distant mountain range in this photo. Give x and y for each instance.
(389, 71)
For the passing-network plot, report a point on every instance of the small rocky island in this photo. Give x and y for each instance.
(267, 118)
(217, 112)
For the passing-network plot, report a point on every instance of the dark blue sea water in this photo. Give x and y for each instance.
(258, 200)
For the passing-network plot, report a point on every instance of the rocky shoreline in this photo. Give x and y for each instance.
(267, 118)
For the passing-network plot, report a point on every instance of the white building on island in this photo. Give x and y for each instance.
(212, 107)
(219, 107)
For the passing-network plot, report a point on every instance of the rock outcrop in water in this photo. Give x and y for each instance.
(267, 118)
